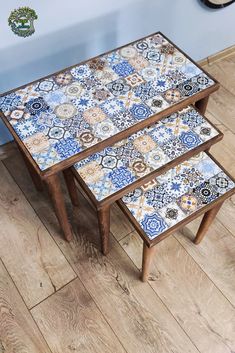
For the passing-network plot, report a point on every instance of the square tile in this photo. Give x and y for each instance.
(173, 148)
(123, 68)
(221, 183)
(156, 103)
(172, 214)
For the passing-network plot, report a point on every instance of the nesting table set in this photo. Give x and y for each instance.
(129, 126)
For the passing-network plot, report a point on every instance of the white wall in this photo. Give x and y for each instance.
(70, 31)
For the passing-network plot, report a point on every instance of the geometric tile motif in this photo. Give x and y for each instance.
(153, 225)
(127, 85)
(221, 182)
(143, 152)
(175, 198)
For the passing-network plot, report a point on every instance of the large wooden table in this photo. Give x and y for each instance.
(65, 117)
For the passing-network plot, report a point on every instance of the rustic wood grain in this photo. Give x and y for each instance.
(223, 151)
(137, 316)
(222, 102)
(32, 258)
(120, 226)
(133, 310)
(71, 322)
(201, 309)
(7, 150)
(135, 313)
(18, 332)
(226, 215)
(215, 255)
(224, 71)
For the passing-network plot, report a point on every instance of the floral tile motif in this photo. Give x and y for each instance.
(165, 202)
(146, 151)
(126, 86)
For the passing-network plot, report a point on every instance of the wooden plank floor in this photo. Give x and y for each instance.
(57, 297)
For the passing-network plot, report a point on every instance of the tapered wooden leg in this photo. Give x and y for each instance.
(71, 186)
(148, 254)
(207, 219)
(56, 194)
(202, 104)
(104, 227)
(34, 175)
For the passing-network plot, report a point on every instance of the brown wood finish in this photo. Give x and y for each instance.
(104, 227)
(188, 291)
(149, 121)
(108, 201)
(56, 194)
(110, 141)
(179, 225)
(36, 265)
(149, 252)
(202, 104)
(18, 331)
(117, 195)
(50, 174)
(208, 218)
(71, 186)
(147, 258)
(182, 223)
(38, 183)
(184, 308)
(71, 322)
(214, 254)
(7, 150)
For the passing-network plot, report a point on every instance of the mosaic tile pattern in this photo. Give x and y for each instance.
(166, 200)
(143, 152)
(73, 110)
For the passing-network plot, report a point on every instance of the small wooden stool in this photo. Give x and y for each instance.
(172, 200)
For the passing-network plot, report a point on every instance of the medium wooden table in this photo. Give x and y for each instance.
(62, 118)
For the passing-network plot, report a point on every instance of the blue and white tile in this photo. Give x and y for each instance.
(208, 168)
(67, 148)
(172, 214)
(123, 68)
(105, 129)
(140, 111)
(221, 183)
(153, 225)
(81, 71)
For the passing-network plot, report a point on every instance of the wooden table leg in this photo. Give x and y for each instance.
(202, 104)
(148, 254)
(56, 194)
(207, 219)
(104, 227)
(71, 186)
(34, 175)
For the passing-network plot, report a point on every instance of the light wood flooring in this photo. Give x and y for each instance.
(57, 297)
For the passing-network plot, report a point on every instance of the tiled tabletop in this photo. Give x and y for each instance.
(168, 199)
(67, 113)
(115, 167)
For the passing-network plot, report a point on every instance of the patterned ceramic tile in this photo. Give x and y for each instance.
(123, 88)
(146, 151)
(167, 201)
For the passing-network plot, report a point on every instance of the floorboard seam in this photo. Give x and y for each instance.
(203, 271)
(26, 305)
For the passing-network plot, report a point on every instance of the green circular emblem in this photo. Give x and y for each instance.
(22, 21)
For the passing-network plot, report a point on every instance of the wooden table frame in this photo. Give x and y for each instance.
(50, 175)
(210, 211)
(103, 206)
